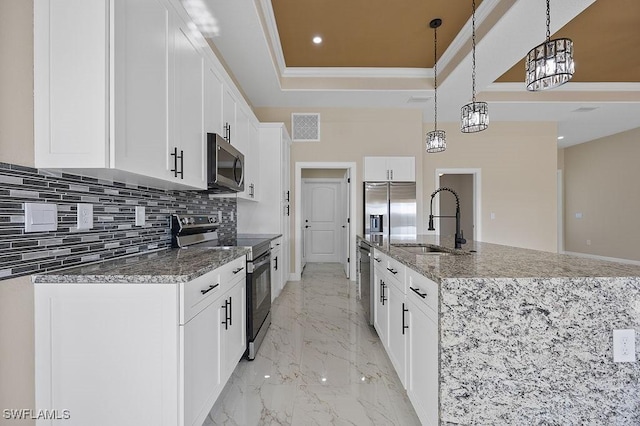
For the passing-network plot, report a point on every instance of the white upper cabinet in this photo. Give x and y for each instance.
(228, 115)
(397, 169)
(126, 90)
(186, 147)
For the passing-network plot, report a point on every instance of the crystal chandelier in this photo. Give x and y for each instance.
(436, 139)
(549, 64)
(474, 115)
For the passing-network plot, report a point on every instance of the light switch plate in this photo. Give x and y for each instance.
(624, 345)
(85, 216)
(140, 215)
(40, 217)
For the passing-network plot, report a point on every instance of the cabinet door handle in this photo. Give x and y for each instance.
(387, 174)
(393, 271)
(383, 298)
(391, 174)
(177, 157)
(230, 312)
(417, 291)
(287, 199)
(276, 263)
(211, 287)
(235, 271)
(287, 210)
(404, 326)
(251, 194)
(226, 316)
(377, 259)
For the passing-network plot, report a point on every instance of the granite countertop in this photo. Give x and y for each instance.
(162, 267)
(257, 236)
(486, 260)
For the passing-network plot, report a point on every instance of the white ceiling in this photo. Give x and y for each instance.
(249, 44)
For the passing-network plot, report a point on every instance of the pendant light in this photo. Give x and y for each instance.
(436, 139)
(549, 64)
(474, 115)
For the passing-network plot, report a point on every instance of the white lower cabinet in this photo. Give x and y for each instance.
(137, 354)
(277, 275)
(398, 332)
(407, 324)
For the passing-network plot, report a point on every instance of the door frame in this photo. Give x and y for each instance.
(341, 201)
(477, 197)
(297, 273)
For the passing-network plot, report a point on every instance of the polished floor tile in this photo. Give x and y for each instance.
(320, 364)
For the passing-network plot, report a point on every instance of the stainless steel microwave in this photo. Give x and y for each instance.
(225, 165)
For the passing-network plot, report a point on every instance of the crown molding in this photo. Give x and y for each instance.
(322, 72)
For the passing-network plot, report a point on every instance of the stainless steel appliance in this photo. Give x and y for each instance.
(390, 209)
(225, 165)
(366, 280)
(200, 231)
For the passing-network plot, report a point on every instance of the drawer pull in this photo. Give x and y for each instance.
(377, 259)
(393, 271)
(235, 271)
(211, 287)
(417, 291)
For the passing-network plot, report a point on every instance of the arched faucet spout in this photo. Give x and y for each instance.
(459, 238)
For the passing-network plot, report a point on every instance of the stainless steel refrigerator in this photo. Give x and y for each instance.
(390, 209)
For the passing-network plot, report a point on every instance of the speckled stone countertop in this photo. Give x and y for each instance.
(162, 267)
(265, 236)
(525, 337)
(486, 260)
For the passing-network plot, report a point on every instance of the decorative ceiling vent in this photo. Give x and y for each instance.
(419, 99)
(584, 109)
(305, 127)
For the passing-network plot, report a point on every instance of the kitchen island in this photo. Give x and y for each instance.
(525, 336)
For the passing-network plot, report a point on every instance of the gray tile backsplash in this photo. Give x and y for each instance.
(114, 233)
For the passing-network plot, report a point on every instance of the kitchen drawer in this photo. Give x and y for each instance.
(396, 271)
(202, 291)
(232, 271)
(422, 291)
(275, 243)
(198, 294)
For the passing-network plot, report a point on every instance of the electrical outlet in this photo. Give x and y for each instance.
(140, 215)
(85, 216)
(624, 345)
(588, 242)
(493, 215)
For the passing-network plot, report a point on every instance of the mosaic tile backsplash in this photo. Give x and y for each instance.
(114, 232)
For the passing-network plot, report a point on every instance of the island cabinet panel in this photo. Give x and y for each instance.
(422, 365)
(277, 276)
(381, 304)
(139, 353)
(398, 332)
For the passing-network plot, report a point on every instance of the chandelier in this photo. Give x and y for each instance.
(474, 116)
(549, 64)
(436, 139)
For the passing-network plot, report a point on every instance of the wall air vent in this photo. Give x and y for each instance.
(419, 99)
(305, 127)
(584, 109)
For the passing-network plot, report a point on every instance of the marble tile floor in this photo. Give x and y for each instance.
(320, 364)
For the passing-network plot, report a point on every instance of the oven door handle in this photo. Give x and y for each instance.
(267, 259)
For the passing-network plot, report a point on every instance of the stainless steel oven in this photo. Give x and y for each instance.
(258, 300)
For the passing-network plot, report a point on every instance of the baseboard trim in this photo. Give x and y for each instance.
(610, 259)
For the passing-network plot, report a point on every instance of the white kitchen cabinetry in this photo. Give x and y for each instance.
(397, 169)
(229, 115)
(277, 277)
(132, 354)
(422, 383)
(271, 215)
(123, 90)
(247, 142)
(381, 299)
(398, 331)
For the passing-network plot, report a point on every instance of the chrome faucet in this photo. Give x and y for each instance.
(459, 237)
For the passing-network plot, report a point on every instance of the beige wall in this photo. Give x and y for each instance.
(347, 135)
(602, 181)
(463, 185)
(518, 163)
(16, 82)
(16, 146)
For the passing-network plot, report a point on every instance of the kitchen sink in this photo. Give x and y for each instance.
(426, 249)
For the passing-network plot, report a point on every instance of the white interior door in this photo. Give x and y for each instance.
(346, 222)
(322, 221)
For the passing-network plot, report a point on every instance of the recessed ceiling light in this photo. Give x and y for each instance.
(560, 138)
(317, 39)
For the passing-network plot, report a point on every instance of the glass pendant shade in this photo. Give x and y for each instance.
(549, 64)
(474, 117)
(436, 141)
